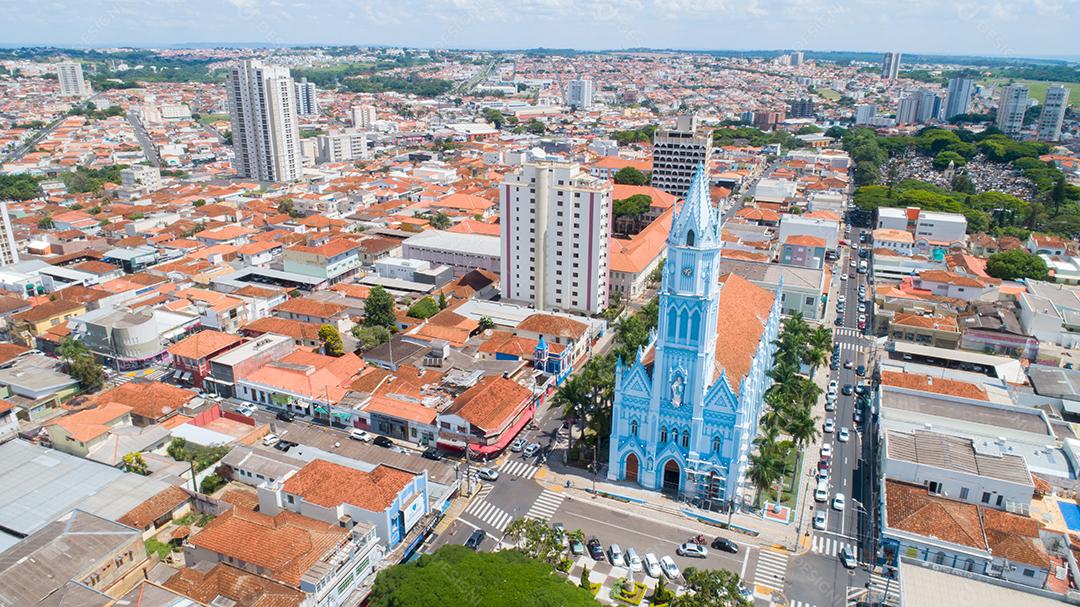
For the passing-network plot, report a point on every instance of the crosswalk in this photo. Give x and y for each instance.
(771, 568)
(545, 505)
(849, 347)
(847, 332)
(517, 467)
(829, 546)
(857, 595)
(800, 604)
(488, 513)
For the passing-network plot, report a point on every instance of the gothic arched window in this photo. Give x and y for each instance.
(685, 439)
(716, 444)
(690, 238)
(663, 435)
(633, 428)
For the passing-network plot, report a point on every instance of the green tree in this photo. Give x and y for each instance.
(535, 127)
(495, 117)
(486, 323)
(1016, 264)
(439, 221)
(379, 308)
(942, 160)
(211, 483)
(331, 340)
(632, 206)
(370, 337)
(89, 373)
(177, 449)
(45, 222)
(661, 593)
(630, 176)
(820, 347)
(455, 575)
(423, 308)
(536, 538)
(136, 463)
(711, 588)
(69, 349)
(584, 582)
(443, 302)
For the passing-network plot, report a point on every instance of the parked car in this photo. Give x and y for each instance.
(576, 547)
(692, 550)
(847, 557)
(532, 449)
(670, 568)
(246, 409)
(517, 445)
(360, 435)
(832, 387)
(285, 416)
(820, 520)
(284, 445)
(270, 439)
(826, 450)
(823, 464)
(829, 425)
(821, 493)
(830, 404)
(431, 453)
(726, 545)
(861, 390)
(487, 474)
(382, 441)
(615, 553)
(838, 502)
(633, 561)
(857, 416)
(652, 565)
(596, 549)
(475, 539)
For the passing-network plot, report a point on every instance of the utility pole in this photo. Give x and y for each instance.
(194, 485)
(595, 447)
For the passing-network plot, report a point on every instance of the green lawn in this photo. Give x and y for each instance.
(1037, 88)
(790, 483)
(829, 94)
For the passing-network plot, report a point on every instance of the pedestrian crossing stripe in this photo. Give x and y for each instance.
(489, 513)
(518, 468)
(771, 569)
(800, 604)
(545, 505)
(828, 545)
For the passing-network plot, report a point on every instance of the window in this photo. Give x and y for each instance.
(986, 497)
(1029, 573)
(690, 238)
(685, 439)
(716, 444)
(633, 428)
(663, 435)
(963, 493)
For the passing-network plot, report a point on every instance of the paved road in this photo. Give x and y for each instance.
(149, 149)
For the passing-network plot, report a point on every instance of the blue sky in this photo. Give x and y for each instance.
(991, 27)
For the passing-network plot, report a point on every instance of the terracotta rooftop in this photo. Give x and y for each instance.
(329, 485)
(162, 503)
(226, 581)
(550, 324)
(88, 424)
(491, 403)
(744, 310)
(151, 399)
(910, 508)
(203, 344)
(937, 385)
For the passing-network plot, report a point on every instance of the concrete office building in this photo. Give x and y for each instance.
(677, 152)
(307, 100)
(864, 113)
(1012, 105)
(344, 145)
(363, 116)
(579, 93)
(9, 249)
(959, 96)
(266, 136)
(1053, 113)
(554, 237)
(72, 83)
(890, 66)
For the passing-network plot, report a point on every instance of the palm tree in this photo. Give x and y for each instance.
(806, 393)
(820, 345)
(803, 428)
(573, 399)
(796, 325)
(764, 468)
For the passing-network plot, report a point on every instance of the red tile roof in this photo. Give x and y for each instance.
(329, 485)
(744, 310)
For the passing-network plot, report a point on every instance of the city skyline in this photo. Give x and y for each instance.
(1028, 28)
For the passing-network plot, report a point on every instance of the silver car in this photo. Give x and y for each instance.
(692, 550)
(670, 568)
(652, 565)
(487, 474)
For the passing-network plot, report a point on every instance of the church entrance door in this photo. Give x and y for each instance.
(672, 477)
(631, 468)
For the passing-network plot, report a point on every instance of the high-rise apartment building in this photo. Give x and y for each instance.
(579, 93)
(1012, 105)
(890, 66)
(677, 152)
(1053, 113)
(919, 107)
(864, 113)
(554, 231)
(9, 250)
(959, 96)
(766, 120)
(340, 146)
(801, 108)
(363, 116)
(266, 136)
(307, 100)
(795, 58)
(72, 83)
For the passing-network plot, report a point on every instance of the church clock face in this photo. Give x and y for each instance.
(688, 271)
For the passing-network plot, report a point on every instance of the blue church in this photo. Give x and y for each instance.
(686, 409)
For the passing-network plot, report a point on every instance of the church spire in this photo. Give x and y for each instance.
(696, 223)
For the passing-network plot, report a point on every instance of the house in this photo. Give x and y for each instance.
(487, 416)
(957, 286)
(80, 432)
(226, 369)
(191, 355)
(302, 381)
(567, 339)
(389, 500)
(242, 589)
(305, 334)
(803, 251)
(158, 511)
(36, 386)
(151, 402)
(311, 310)
(1045, 244)
(25, 326)
(332, 262)
(898, 241)
(9, 424)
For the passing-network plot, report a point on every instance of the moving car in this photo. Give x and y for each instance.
(843, 277)
(860, 370)
(843, 435)
(633, 561)
(848, 364)
(820, 519)
(475, 539)
(285, 416)
(725, 545)
(487, 474)
(596, 549)
(532, 449)
(517, 445)
(616, 555)
(847, 390)
(838, 502)
(360, 435)
(382, 441)
(652, 565)
(670, 568)
(847, 557)
(692, 550)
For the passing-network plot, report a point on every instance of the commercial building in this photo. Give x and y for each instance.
(919, 107)
(890, 66)
(72, 83)
(307, 100)
(579, 93)
(9, 248)
(1012, 104)
(331, 262)
(959, 99)
(554, 237)
(930, 227)
(1053, 113)
(266, 135)
(140, 179)
(677, 152)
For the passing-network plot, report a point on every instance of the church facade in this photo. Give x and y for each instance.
(686, 410)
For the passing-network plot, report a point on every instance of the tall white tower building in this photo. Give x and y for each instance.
(363, 116)
(307, 100)
(71, 80)
(554, 230)
(677, 152)
(1053, 113)
(1011, 107)
(9, 251)
(579, 94)
(959, 96)
(890, 66)
(266, 136)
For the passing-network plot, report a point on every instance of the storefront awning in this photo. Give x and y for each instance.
(321, 410)
(340, 415)
(506, 436)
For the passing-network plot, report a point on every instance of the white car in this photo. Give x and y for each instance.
(820, 519)
(843, 277)
(270, 439)
(633, 561)
(652, 565)
(843, 435)
(670, 568)
(829, 426)
(247, 409)
(826, 450)
(838, 502)
(821, 493)
(832, 388)
(487, 474)
(841, 299)
(830, 403)
(616, 555)
(360, 435)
